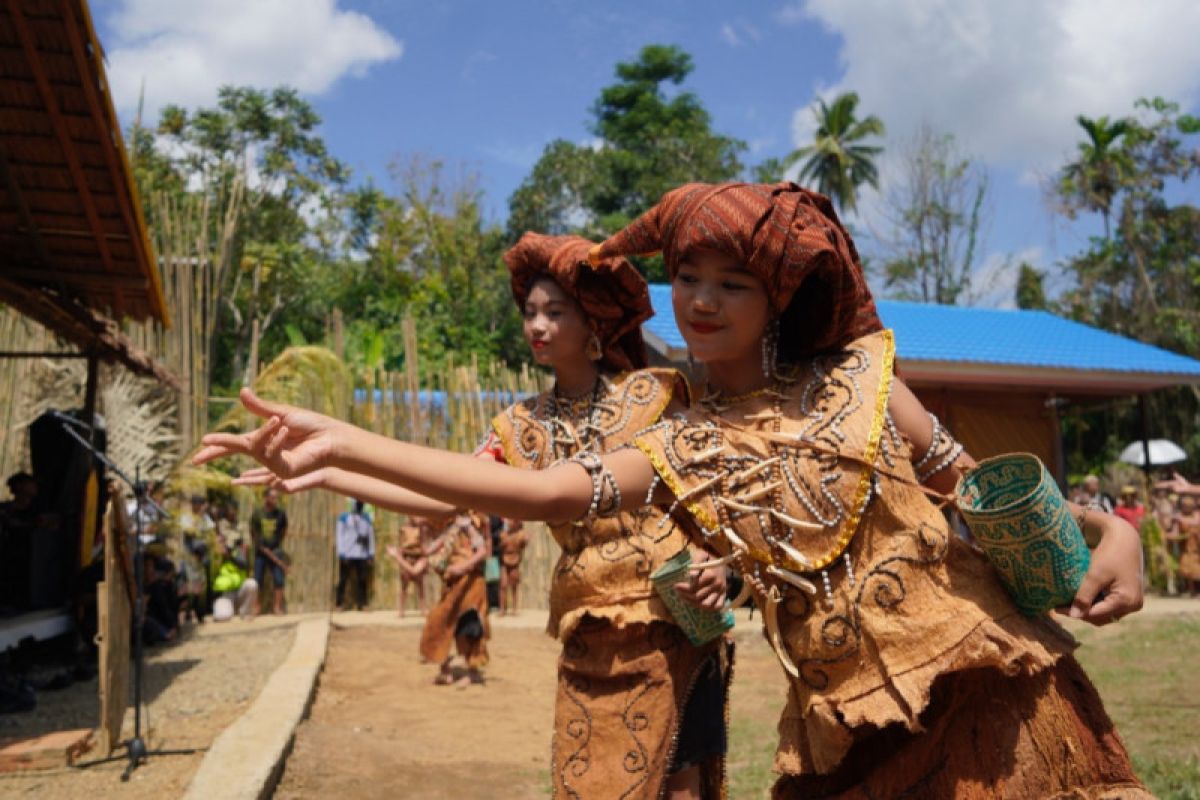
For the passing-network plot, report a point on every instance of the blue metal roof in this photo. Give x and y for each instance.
(928, 332)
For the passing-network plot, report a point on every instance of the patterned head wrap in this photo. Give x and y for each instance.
(612, 293)
(789, 237)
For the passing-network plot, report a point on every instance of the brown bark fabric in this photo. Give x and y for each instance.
(625, 664)
(814, 470)
(1189, 561)
(988, 736)
(605, 566)
(460, 595)
(790, 237)
(410, 545)
(621, 692)
(612, 293)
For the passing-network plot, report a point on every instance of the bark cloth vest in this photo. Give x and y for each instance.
(867, 594)
(605, 566)
(626, 672)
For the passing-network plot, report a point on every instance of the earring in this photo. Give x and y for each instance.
(594, 351)
(770, 347)
(691, 361)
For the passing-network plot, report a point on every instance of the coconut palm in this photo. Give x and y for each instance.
(838, 162)
(1093, 179)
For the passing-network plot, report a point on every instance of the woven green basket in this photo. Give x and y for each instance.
(1021, 521)
(699, 625)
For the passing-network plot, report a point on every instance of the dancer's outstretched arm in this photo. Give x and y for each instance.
(361, 487)
(294, 442)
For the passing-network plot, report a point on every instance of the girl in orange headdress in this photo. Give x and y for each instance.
(640, 710)
(810, 466)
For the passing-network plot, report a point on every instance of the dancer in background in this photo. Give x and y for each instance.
(411, 560)
(513, 540)
(460, 617)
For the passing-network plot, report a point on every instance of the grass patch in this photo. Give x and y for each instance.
(1145, 669)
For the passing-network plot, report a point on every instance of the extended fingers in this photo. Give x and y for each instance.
(260, 407)
(300, 483)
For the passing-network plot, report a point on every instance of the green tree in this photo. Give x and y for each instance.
(935, 211)
(1092, 180)
(257, 156)
(1031, 290)
(839, 160)
(1142, 278)
(652, 135)
(430, 256)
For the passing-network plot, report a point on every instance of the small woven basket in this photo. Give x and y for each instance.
(699, 625)
(1021, 521)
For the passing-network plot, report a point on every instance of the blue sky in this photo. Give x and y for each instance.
(487, 85)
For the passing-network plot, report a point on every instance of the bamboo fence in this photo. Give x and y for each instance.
(450, 409)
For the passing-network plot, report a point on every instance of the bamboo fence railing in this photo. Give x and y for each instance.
(449, 408)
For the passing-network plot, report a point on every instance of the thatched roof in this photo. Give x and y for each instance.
(71, 224)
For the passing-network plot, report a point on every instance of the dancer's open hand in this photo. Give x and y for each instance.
(293, 441)
(1112, 587)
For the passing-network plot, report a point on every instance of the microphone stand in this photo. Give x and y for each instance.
(135, 748)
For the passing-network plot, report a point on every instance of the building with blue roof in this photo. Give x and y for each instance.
(997, 377)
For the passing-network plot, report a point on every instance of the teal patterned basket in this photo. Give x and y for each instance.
(1021, 521)
(699, 625)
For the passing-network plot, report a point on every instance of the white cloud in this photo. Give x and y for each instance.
(739, 32)
(994, 282)
(1007, 79)
(183, 51)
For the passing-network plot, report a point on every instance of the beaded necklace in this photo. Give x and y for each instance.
(565, 410)
(777, 534)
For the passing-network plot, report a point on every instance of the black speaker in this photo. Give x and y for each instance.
(61, 466)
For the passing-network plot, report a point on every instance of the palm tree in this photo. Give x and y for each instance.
(837, 161)
(1094, 178)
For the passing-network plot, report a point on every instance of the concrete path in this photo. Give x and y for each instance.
(246, 760)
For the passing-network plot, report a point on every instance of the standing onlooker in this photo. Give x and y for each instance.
(1093, 497)
(1186, 531)
(193, 554)
(1129, 508)
(411, 559)
(356, 554)
(268, 527)
(145, 513)
(512, 547)
(491, 564)
(237, 593)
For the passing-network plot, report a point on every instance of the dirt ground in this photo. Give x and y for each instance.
(379, 728)
(194, 689)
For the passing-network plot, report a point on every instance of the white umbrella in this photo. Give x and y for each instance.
(1162, 451)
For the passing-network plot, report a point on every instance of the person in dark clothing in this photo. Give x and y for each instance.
(161, 620)
(268, 527)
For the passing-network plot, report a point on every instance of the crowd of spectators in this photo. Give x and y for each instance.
(1169, 522)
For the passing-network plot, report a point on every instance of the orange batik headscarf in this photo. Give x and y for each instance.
(612, 293)
(789, 237)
